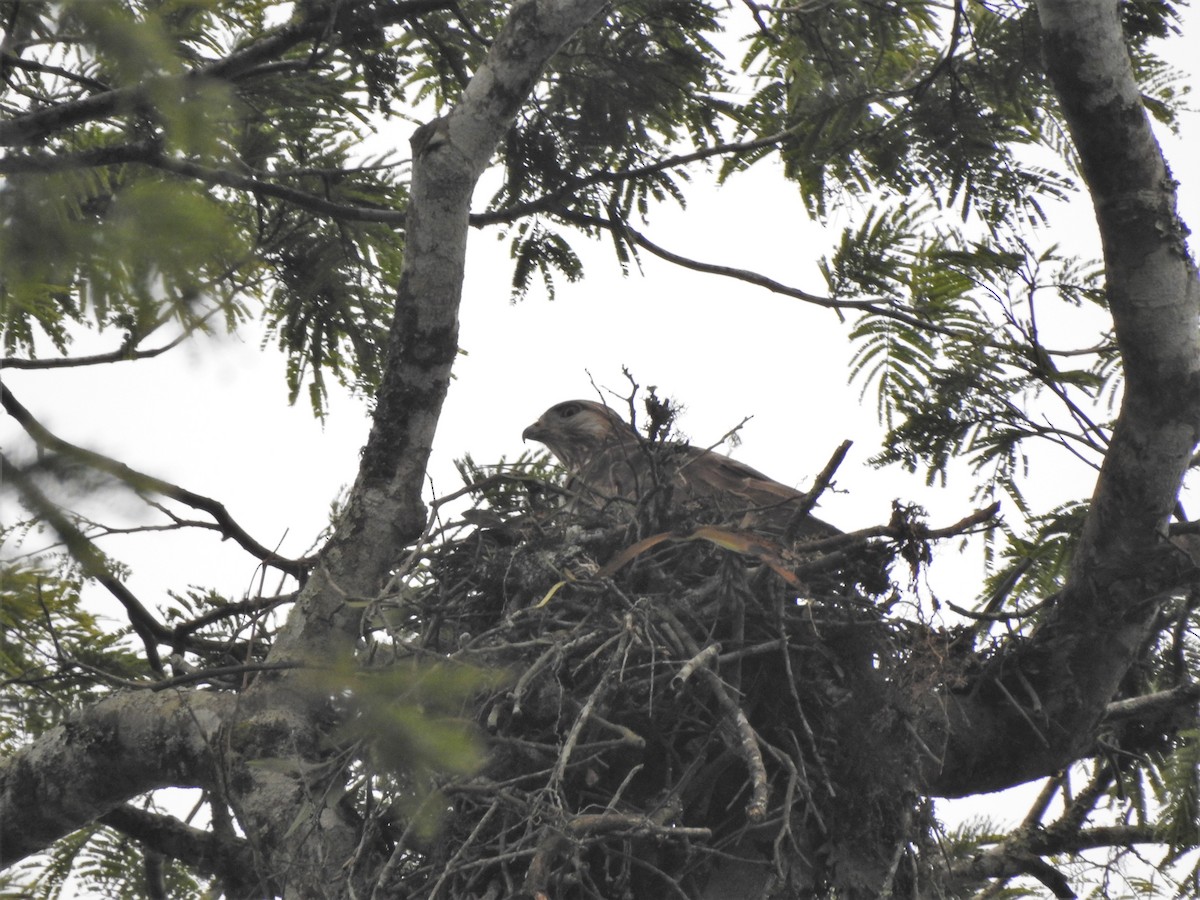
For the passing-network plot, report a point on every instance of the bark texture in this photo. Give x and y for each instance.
(120, 747)
(384, 511)
(1032, 710)
(1037, 707)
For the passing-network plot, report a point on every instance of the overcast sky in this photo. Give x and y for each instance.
(213, 417)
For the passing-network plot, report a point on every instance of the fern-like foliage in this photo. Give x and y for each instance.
(917, 99)
(952, 348)
(54, 653)
(100, 862)
(151, 217)
(616, 99)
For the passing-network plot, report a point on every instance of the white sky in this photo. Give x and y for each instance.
(213, 416)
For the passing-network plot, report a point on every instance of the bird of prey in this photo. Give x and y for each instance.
(608, 463)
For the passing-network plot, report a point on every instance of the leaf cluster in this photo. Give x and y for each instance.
(913, 99)
(51, 649)
(218, 177)
(618, 94)
(963, 374)
(105, 863)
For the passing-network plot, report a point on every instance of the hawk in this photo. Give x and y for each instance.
(609, 463)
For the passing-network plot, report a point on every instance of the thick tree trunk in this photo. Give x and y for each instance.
(1032, 712)
(1059, 683)
(384, 511)
(121, 747)
(305, 843)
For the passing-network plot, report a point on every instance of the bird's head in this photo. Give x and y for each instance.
(574, 430)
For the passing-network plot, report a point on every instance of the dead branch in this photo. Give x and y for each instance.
(805, 504)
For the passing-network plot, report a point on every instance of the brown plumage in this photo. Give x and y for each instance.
(609, 464)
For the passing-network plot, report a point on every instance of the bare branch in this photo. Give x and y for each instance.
(17, 62)
(877, 307)
(553, 202)
(150, 154)
(1022, 853)
(256, 606)
(820, 484)
(142, 482)
(228, 857)
(149, 629)
(258, 187)
(1167, 704)
(121, 354)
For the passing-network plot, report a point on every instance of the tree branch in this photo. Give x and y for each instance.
(9, 58)
(1161, 705)
(1022, 853)
(33, 126)
(121, 354)
(229, 858)
(102, 756)
(92, 561)
(150, 154)
(384, 510)
(553, 202)
(142, 482)
(1122, 567)
(813, 494)
(877, 307)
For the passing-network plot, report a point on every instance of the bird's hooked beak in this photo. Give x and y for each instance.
(534, 432)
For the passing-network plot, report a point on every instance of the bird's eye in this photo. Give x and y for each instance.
(567, 410)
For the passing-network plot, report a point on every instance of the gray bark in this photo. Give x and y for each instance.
(103, 755)
(1123, 564)
(135, 742)
(384, 511)
(132, 743)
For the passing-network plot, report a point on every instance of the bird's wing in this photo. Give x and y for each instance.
(762, 502)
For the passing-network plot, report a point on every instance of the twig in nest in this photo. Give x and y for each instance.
(586, 711)
(802, 771)
(402, 851)
(995, 616)
(747, 740)
(810, 738)
(537, 878)
(756, 809)
(1024, 715)
(555, 652)
(785, 820)
(1033, 694)
(475, 832)
(628, 736)
(922, 745)
(745, 652)
(806, 503)
(705, 657)
(620, 791)
(901, 845)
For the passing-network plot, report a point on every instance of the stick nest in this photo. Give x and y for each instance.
(678, 718)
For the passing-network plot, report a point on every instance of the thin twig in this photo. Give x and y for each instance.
(142, 482)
